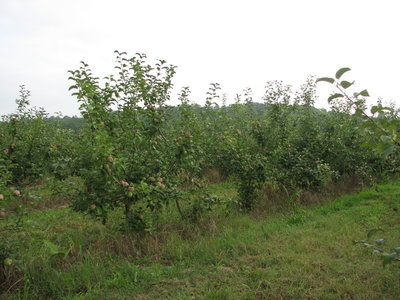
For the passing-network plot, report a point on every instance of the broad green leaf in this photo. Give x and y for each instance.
(380, 242)
(345, 84)
(334, 96)
(53, 248)
(326, 79)
(373, 231)
(364, 93)
(376, 108)
(341, 71)
(397, 250)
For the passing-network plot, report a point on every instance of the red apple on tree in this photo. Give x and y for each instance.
(161, 185)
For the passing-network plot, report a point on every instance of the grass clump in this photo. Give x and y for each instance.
(305, 253)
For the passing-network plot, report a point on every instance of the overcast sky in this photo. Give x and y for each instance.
(235, 43)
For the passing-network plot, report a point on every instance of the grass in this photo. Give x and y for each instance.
(306, 253)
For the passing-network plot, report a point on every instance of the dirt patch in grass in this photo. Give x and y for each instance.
(40, 204)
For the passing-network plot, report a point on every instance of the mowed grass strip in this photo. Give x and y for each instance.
(303, 254)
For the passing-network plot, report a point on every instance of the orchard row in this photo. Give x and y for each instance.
(138, 153)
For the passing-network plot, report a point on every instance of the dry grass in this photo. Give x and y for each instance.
(277, 199)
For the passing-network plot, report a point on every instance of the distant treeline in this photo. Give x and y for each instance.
(75, 123)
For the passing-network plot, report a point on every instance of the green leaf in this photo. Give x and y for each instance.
(341, 71)
(380, 242)
(364, 93)
(53, 248)
(397, 250)
(375, 109)
(388, 258)
(345, 84)
(326, 79)
(334, 96)
(373, 231)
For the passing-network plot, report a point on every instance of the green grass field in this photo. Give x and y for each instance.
(303, 253)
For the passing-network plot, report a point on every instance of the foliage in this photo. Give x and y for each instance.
(30, 144)
(382, 124)
(129, 161)
(132, 156)
(134, 151)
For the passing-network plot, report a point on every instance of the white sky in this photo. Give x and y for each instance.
(235, 43)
